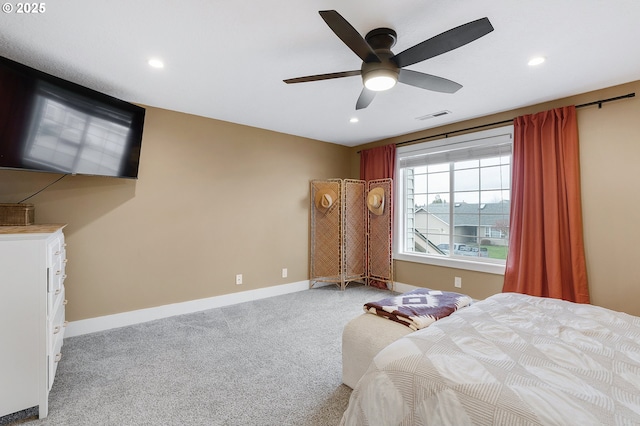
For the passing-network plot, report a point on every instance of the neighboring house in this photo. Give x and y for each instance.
(474, 225)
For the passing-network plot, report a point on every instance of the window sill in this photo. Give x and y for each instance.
(490, 268)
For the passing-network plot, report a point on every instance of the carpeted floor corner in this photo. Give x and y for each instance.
(275, 361)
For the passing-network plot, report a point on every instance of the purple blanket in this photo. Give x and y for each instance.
(418, 308)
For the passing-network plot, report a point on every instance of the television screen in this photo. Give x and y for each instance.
(52, 125)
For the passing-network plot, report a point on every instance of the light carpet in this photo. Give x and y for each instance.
(274, 361)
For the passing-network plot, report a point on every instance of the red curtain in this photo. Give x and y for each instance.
(546, 248)
(378, 163)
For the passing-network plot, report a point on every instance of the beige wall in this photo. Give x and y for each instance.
(610, 157)
(213, 200)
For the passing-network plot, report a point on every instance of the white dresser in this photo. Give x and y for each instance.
(32, 314)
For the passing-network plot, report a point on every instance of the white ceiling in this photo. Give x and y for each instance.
(227, 59)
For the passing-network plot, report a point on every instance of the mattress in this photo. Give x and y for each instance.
(509, 359)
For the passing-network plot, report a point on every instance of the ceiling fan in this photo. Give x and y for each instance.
(381, 68)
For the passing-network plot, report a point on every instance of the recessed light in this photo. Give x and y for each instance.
(353, 120)
(536, 61)
(156, 63)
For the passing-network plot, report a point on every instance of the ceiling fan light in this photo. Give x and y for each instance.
(380, 79)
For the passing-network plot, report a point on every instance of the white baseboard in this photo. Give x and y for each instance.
(107, 322)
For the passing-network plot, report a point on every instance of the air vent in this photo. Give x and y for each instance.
(434, 115)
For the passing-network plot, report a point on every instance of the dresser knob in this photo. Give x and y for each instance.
(58, 272)
(56, 329)
(66, 323)
(64, 302)
(58, 356)
(58, 291)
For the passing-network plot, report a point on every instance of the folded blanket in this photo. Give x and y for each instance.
(418, 308)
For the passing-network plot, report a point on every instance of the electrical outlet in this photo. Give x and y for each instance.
(284, 272)
(239, 279)
(457, 282)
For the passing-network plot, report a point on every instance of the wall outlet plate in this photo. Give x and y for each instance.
(239, 279)
(457, 282)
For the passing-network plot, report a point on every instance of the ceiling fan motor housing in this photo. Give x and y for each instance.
(381, 41)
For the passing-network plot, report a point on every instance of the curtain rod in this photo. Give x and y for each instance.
(446, 134)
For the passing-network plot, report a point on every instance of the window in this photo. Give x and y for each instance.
(453, 201)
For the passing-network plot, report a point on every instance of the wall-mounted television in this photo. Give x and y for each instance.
(50, 124)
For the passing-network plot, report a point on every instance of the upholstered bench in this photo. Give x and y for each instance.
(362, 338)
(388, 320)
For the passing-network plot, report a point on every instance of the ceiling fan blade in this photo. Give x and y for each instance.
(444, 42)
(365, 98)
(349, 35)
(322, 77)
(428, 81)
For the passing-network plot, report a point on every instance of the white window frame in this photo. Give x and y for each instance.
(492, 136)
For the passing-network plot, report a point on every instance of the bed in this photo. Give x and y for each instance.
(509, 359)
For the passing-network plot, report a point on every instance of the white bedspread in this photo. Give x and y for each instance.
(508, 360)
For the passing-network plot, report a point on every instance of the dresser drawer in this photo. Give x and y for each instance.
(56, 272)
(54, 359)
(56, 324)
(54, 298)
(56, 336)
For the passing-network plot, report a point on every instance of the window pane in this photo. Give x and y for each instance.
(420, 183)
(491, 177)
(493, 161)
(466, 164)
(506, 176)
(420, 200)
(439, 198)
(438, 182)
(465, 180)
(491, 197)
(444, 167)
(466, 197)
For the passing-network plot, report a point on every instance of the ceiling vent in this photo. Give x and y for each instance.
(434, 115)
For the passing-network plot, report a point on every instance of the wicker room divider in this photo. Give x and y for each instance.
(340, 234)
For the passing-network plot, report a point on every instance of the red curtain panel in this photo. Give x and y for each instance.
(378, 163)
(546, 247)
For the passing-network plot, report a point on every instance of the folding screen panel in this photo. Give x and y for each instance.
(379, 243)
(355, 230)
(326, 231)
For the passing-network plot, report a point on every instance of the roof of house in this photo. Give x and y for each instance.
(469, 214)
